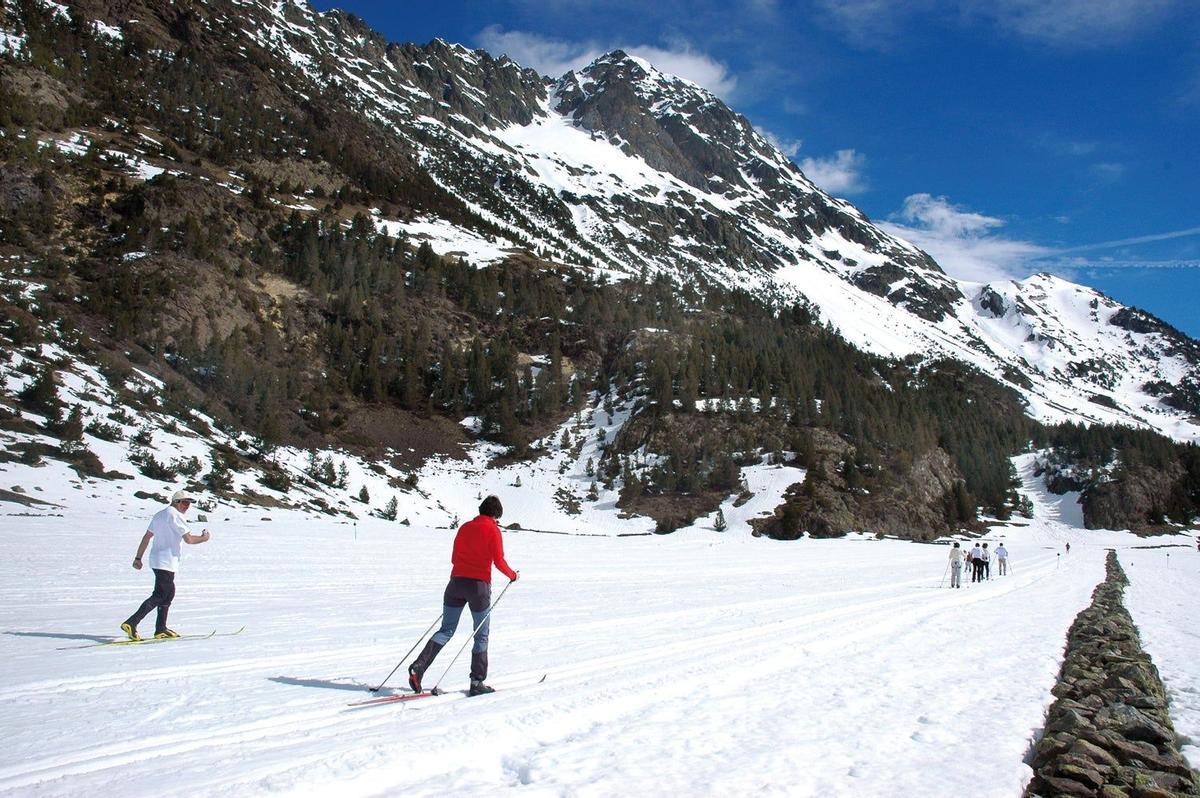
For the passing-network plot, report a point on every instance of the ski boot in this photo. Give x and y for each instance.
(414, 678)
(479, 688)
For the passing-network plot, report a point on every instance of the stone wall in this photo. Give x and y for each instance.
(1108, 733)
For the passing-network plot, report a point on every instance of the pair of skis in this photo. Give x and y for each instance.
(404, 697)
(147, 640)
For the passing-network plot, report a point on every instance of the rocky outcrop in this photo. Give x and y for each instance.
(1138, 500)
(1109, 734)
(835, 498)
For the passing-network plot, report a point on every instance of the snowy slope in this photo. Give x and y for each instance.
(693, 664)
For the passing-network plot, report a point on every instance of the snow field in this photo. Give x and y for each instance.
(1162, 599)
(697, 664)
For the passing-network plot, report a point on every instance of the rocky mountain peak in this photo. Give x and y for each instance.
(676, 125)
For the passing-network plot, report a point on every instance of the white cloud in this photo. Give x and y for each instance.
(1125, 242)
(839, 174)
(556, 57)
(1108, 172)
(789, 147)
(867, 23)
(551, 57)
(963, 242)
(878, 24)
(1076, 22)
(967, 246)
(687, 63)
(937, 214)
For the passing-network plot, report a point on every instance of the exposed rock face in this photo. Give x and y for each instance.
(1137, 500)
(605, 98)
(1109, 733)
(832, 502)
(992, 302)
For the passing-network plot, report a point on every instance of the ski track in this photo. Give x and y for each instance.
(688, 664)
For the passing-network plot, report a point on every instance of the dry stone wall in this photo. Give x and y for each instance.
(1108, 733)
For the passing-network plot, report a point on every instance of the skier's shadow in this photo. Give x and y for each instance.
(357, 687)
(64, 636)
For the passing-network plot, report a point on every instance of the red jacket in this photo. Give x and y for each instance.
(476, 546)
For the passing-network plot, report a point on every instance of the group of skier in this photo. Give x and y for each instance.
(477, 547)
(979, 560)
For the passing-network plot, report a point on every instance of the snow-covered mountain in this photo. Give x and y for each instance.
(198, 193)
(624, 169)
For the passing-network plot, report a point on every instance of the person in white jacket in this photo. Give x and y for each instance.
(977, 563)
(166, 532)
(956, 563)
(1002, 559)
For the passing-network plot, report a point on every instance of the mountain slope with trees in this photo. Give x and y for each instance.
(231, 197)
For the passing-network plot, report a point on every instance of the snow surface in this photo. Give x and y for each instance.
(698, 663)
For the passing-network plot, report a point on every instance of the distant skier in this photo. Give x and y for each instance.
(477, 546)
(987, 562)
(956, 564)
(1002, 559)
(167, 531)
(1068, 548)
(977, 563)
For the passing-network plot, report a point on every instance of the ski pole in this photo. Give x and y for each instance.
(474, 632)
(944, 574)
(411, 650)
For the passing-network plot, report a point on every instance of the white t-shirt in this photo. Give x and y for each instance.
(977, 553)
(168, 528)
(1002, 552)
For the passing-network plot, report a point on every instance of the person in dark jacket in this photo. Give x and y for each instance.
(477, 547)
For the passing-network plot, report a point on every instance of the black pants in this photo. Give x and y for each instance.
(977, 572)
(160, 599)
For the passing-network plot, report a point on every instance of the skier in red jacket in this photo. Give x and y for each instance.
(477, 546)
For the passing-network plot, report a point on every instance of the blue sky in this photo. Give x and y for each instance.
(1004, 136)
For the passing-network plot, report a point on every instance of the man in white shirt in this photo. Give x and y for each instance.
(167, 531)
(987, 562)
(1002, 559)
(977, 563)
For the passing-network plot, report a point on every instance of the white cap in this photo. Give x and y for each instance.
(183, 495)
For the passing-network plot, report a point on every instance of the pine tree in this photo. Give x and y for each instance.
(41, 395)
(389, 512)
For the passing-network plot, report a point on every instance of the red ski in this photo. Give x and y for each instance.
(389, 699)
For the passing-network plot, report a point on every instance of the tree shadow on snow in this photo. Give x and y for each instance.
(64, 636)
(357, 687)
